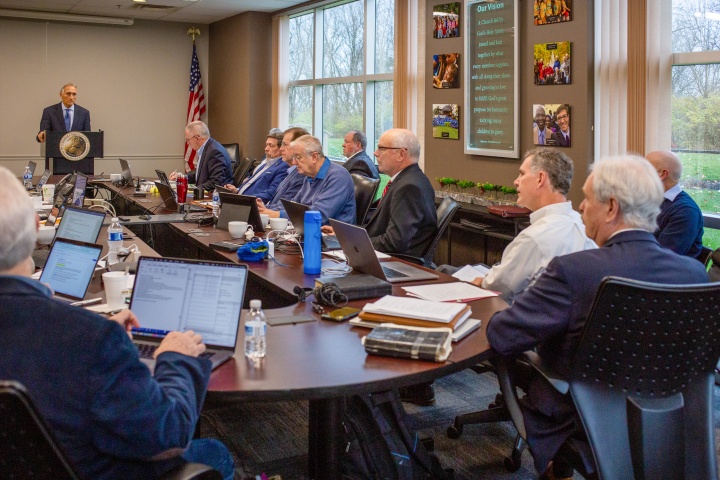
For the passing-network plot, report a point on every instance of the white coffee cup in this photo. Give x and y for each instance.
(48, 192)
(37, 201)
(237, 229)
(264, 217)
(45, 234)
(116, 288)
(279, 223)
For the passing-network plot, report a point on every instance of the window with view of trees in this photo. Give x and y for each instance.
(341, 63)
(696, 100)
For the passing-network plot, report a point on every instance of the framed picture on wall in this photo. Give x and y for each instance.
(551, 63)
(446, 20)
(446, 121)
(551, 124)
(546, 12)
(446, 70)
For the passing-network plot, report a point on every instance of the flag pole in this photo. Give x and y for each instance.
(193, 32)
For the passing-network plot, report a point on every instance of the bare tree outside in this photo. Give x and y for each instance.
(696, 101)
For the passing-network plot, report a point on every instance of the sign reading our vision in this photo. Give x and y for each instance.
(491, 89)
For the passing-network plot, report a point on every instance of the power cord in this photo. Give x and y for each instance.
(327, 294)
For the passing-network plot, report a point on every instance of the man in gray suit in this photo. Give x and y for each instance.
(358, 161)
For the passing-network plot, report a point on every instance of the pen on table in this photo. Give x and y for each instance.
(89, 301)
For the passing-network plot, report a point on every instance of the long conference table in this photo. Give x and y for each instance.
(319, 361)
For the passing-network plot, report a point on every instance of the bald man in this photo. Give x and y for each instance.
(680, 223)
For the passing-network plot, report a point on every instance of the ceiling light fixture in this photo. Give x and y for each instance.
(64, 17)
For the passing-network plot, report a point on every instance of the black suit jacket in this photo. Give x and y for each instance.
(560, 139)
(362, 164)
(551, 316)
(405, 220)
(214, 167)
(53, 120)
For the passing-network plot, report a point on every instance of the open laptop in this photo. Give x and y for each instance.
(239, 207)
(296, 213)
(172, 294)
(361, 256)
(127, 178)
(170, 201)
(70, 267)
(78, 197)
(76, 224)
(43, 180)
(162, 177)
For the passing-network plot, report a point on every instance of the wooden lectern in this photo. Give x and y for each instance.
(72, 151)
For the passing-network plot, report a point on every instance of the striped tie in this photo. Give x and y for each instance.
(386, 188)
(67, 119)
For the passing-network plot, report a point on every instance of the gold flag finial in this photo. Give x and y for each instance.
(193, 31)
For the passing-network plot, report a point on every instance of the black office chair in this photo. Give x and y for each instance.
(365, 189)
(31, 451)
(242, 170)
(642, 379)
(445, 212)
(233, 150)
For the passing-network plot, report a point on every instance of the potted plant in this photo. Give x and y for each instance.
(509, 194)
(466, 193)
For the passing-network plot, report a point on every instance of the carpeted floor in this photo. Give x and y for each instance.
(272, 437)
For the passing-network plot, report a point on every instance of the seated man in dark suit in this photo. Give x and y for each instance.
(680, 223)
(264, 181)
(358, 161)
(212, 162)
(622, 201)
(111, 417)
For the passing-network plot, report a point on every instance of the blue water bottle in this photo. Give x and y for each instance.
(312, 249)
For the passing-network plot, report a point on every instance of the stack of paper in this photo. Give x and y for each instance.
(449, 292)
(415, 312)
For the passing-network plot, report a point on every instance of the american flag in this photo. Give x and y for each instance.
(196, 105)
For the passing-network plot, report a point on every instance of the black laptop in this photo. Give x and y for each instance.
(172, 294)
(239, 207)
(170, 201)
(296, 213)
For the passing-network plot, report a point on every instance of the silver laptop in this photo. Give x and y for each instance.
(70, 267)
(76, 224)
(172, 294)
(361, 256)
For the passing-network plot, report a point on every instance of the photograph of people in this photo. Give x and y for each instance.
(546, 12)
(446, 70)
(562, 135)
(551, 63)
(446, 20)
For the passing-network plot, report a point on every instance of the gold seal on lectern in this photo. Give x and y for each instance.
(74, 146)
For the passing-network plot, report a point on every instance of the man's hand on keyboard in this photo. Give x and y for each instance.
(188, 343)
(127, 320)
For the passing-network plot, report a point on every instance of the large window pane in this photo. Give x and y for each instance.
(384, 36)
(301, 47)
(301, 102)
(696, 25)
(343, 29)
(342, 112)
(383, 109)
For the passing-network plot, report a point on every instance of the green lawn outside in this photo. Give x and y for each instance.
(701, 180)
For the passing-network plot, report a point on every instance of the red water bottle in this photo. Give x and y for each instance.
(182, 188)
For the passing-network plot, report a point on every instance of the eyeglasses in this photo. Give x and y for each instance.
(188, 139)
(390, 148)
(562, 117)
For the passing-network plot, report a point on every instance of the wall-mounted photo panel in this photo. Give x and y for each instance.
(551, 124)
(551, 63)
(446, 20)
(446, 121)
(546, 12)
(446, 70)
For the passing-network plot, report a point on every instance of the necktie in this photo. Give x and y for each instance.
(386, 188)
(541, 138)
(67, 119)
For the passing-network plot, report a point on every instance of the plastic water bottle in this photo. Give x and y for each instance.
(216, 202)
(312, 249)
(27, 178)
(255, 326)
(115, 241)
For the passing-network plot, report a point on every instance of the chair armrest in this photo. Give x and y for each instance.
(192, 471)
(557, 382)
(410, 258)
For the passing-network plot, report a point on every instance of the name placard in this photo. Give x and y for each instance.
(491, 87)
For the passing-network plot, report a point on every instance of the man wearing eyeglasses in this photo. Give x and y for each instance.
(212, 168)
(562, 136)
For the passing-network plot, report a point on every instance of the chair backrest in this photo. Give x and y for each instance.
(704, 256)
(233, 150)
(642, 379)
(445, 212)
(29, 448)
(242, 170)
(365, 189)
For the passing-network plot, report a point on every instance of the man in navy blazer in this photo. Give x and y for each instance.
(212, 165)
(354, 145)
(111, 416)
(55, 118)
(264, 181)
(622, 201)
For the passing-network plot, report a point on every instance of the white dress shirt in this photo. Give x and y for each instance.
(554, 230)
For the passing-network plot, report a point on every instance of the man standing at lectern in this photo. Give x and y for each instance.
(66, 117)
